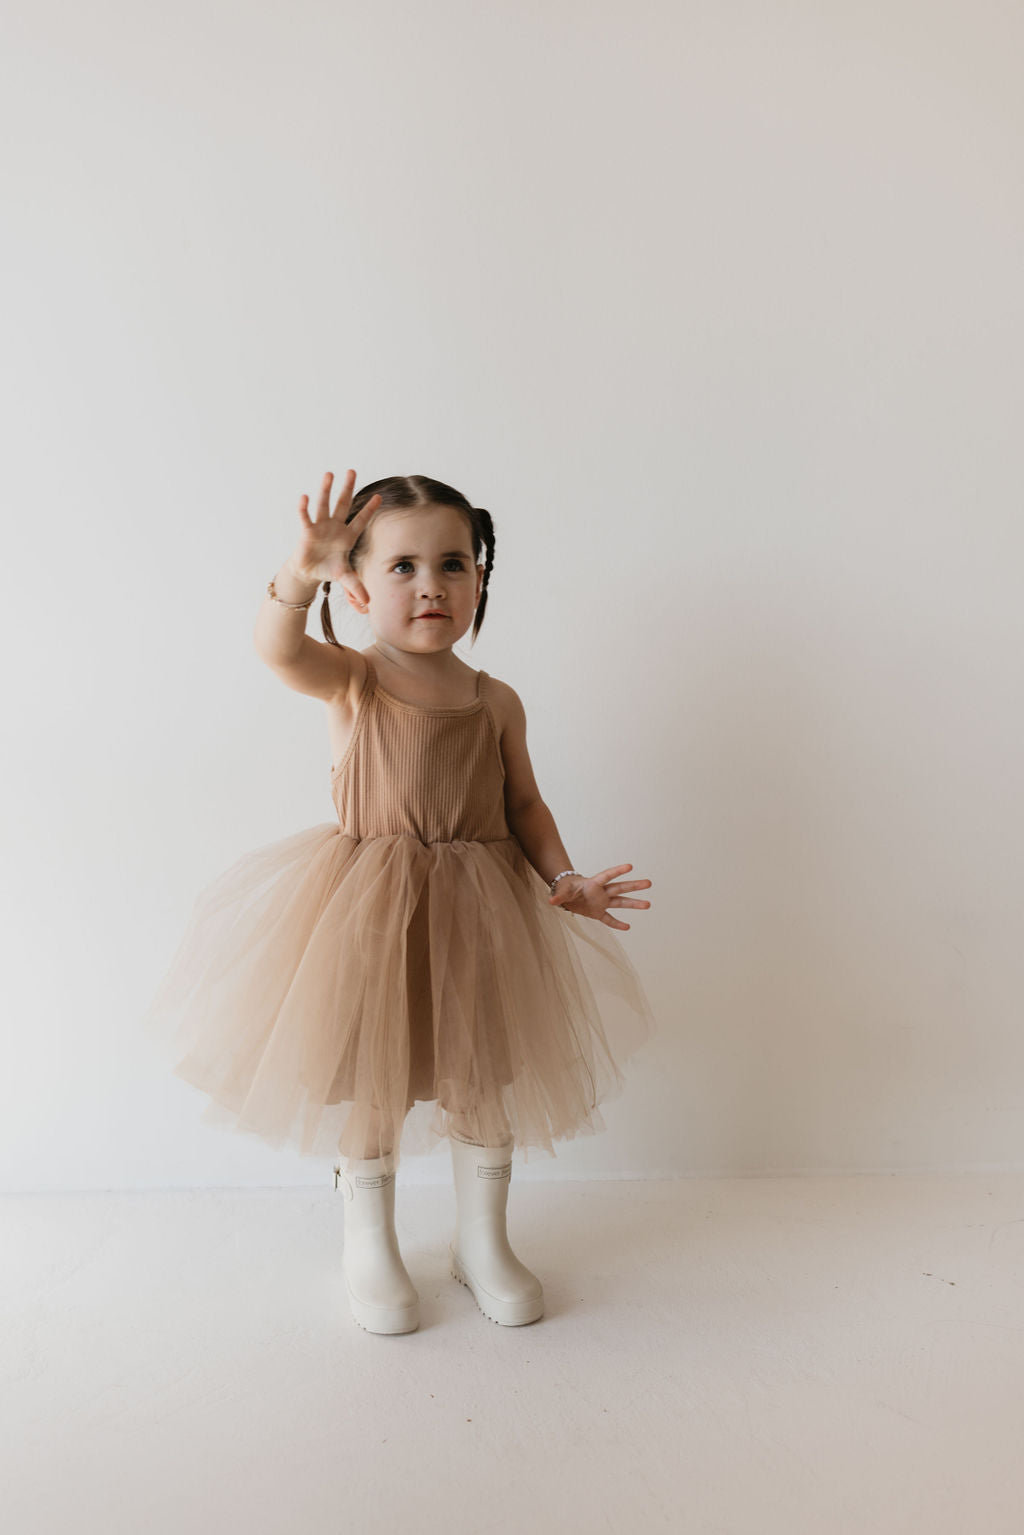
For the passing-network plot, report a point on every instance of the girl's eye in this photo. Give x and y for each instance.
(457, 563)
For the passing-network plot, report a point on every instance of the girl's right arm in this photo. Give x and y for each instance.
(322, 554)
(303, 663)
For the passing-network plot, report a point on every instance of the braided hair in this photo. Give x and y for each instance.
(407, 491)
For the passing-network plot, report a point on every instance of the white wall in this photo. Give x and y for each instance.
(718, 310)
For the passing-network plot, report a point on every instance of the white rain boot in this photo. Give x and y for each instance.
(482, 1259)
(381, 1295)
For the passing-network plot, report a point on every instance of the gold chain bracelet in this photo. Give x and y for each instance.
(272, 593)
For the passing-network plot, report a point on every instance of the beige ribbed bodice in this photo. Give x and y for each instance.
(421, 771)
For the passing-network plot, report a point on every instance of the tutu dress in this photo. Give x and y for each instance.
(402, 965)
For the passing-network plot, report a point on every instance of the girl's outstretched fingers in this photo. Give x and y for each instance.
(591, 896)
(325, 542)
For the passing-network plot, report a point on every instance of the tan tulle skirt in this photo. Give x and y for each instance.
(349, 997)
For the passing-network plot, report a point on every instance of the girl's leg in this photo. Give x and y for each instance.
(371, 1132)
(468, 1125)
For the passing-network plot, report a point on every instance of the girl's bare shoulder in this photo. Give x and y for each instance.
(506, 703)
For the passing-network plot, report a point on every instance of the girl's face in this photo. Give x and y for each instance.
(418, 561)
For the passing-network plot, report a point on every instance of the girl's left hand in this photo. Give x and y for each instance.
(591, 896)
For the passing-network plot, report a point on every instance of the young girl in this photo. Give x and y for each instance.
(430, 965)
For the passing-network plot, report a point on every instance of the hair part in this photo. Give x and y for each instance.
(405, 492)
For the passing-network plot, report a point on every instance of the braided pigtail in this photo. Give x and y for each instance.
(325, 619)
(486, 527)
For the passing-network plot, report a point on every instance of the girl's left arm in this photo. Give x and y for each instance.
(533, 826)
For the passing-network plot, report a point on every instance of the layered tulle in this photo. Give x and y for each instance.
(329, 989)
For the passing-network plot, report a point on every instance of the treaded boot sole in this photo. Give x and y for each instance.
(383, 1319)
(508, 1313)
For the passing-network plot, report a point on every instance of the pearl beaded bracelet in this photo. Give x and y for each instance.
(564, 872)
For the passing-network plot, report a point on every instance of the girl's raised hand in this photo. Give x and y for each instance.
(591, 897)
(322, 553)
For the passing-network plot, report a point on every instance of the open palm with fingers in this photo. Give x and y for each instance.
(322, 552)
(591, 896)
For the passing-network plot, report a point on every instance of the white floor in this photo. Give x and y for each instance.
(840, 1356)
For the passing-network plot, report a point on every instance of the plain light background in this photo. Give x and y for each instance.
(717, 309)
